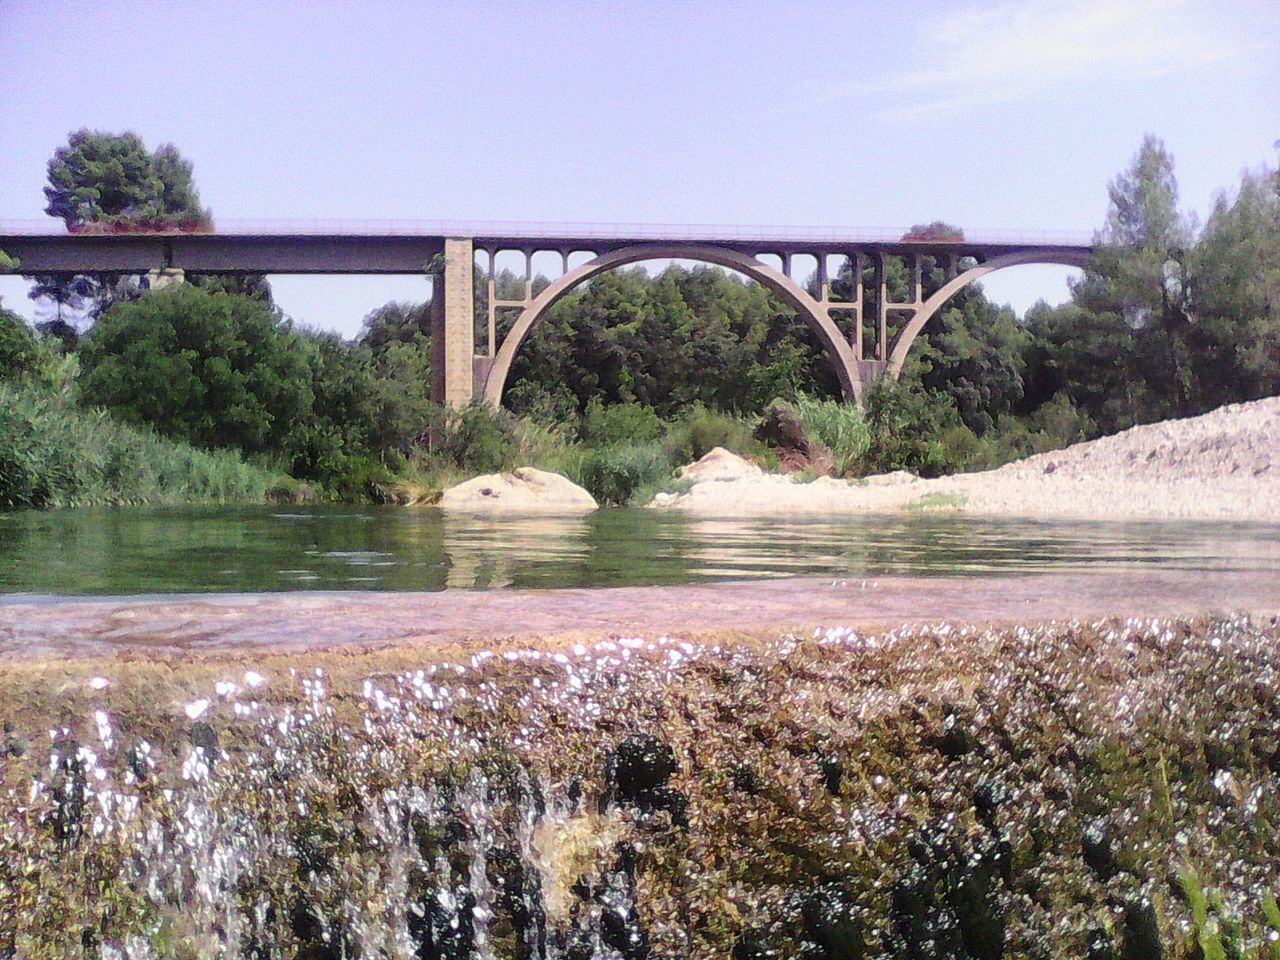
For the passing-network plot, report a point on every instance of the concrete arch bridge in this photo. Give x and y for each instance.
(865, 335)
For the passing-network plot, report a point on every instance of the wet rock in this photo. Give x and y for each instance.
(205, 737)
(136, 757)
(955, 741)
(988, 799)
(949, 903)
(833, 922)
(1098, 847)
(637, 773)
(442, 925)
(1141, 938)
(518, 898)
(1100, 946)
(314, 941)
(832, 773)
(752, 945)
(1216, 755)
(67, 787)
(744, 779)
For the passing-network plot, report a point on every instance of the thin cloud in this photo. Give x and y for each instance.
(1016, 50)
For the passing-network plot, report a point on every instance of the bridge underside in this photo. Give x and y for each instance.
(864, 334)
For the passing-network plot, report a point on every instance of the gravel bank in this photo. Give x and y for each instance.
(1224, 465)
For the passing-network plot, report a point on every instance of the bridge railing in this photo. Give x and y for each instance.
(565, 229)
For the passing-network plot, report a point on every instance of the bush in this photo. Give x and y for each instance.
(207, 368)
(699, 430)
(22, 357)
(475, 438)
(54, 454)
(916, 430)
(619, 473)
(603, 426)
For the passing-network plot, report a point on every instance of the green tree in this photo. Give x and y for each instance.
(22, 357)
(107, 181)
(1140, 272)
(1234, 332)
(106, 178)
(217, 370)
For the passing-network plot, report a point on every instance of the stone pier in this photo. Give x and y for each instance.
(453, 325)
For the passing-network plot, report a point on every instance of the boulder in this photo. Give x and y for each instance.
(719, 464)
(524, 490)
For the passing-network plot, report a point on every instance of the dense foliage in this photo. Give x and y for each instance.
(100, 180)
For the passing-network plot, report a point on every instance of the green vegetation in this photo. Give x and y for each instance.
(54, 453)
(631, 376)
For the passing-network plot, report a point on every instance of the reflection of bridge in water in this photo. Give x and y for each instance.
(864, 333)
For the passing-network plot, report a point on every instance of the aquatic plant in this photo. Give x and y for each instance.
(1057, 790)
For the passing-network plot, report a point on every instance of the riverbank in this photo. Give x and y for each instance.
(1034, 789)
(1224, 465)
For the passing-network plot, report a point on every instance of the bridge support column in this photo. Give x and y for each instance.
(161, 277)
(453, 326)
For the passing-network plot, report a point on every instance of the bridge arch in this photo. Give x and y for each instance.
(926, 310)
(814, 314)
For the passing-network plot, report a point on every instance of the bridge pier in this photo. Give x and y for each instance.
(161, 277)
(453, 325)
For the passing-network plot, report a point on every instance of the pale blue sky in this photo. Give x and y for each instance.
(1006, 115)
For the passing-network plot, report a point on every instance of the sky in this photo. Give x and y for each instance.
(1006, 115)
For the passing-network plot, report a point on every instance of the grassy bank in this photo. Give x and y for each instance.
(1049, 791)
(56, 454)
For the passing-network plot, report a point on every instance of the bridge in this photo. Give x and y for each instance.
(865, 335)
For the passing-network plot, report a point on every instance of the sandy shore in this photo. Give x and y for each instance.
(1224, 465)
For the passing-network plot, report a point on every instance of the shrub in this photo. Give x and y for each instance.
(617, 474)
(474, 438)
(603, 425)
(213, 369)
(22, 357)
(699, 430)
(913, 429)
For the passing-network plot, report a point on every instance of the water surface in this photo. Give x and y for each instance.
(152, 550)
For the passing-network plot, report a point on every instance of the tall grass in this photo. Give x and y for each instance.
(54, 454)
(840, 427)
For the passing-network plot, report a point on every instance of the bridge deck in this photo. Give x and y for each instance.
(359, 246)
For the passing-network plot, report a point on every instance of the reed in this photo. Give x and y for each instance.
(55, 454)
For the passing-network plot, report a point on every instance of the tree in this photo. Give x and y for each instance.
(106, 181)
(22, 357)
(112, 179)
(1235, 296)
(1140, 272)
(218, 370)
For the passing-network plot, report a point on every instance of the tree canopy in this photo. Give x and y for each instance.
(113, 179)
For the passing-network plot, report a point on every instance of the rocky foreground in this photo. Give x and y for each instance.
(1054, 790)
(1224, 465)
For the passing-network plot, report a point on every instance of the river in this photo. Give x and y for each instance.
(160, 550)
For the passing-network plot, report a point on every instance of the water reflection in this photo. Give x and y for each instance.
(249, 549)
(486, 552)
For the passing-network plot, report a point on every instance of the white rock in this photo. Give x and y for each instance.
(719, 464)
(524, 490)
